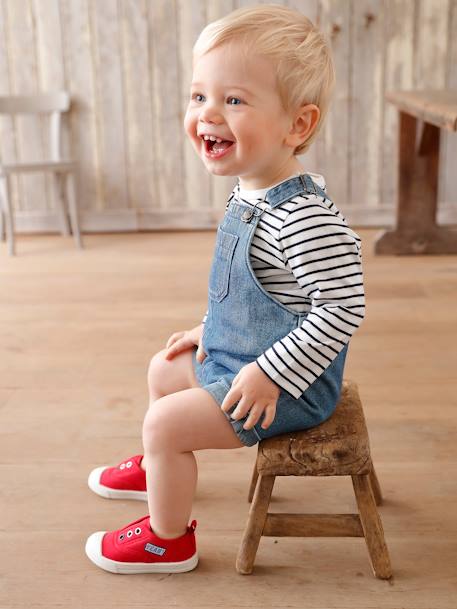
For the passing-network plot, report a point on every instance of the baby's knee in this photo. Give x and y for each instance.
(156, 370)
(158, 428)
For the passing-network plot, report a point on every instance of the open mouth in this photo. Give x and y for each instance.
(214, 147)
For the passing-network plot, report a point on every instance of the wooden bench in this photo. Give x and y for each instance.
(416, 231)
(337, 447)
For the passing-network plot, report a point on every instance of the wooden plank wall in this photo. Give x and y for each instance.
(127, 64)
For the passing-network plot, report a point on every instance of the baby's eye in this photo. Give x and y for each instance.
(197, 95)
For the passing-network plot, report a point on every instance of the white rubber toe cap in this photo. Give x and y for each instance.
(110, 493)
(94, 552)
(94, 481)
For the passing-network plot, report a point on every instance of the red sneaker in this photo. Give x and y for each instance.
(137, 549)
(124, 481)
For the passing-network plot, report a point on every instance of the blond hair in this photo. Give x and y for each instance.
(300, 52)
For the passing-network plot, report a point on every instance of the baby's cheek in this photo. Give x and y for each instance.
(189, 124)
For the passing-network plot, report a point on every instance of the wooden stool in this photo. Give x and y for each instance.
(337, 447)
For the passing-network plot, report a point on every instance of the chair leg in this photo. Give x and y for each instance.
(72, 207)
(375, 487)
(60, 200)
(254, 527)
(255, 475)
(372, 527)
(5, 196)
(2, 223)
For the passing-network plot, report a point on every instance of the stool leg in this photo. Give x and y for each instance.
(254, 527)
(255, 475)
(372, 527)
(375, 487)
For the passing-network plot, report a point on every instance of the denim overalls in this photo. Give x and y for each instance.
(244, 320)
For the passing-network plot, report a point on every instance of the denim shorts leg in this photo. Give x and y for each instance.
(219, 390)
(313, 407)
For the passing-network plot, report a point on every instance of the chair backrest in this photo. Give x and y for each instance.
(53, 103)
(58, 101)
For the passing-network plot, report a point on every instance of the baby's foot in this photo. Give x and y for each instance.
(124, 481)
(137, 549)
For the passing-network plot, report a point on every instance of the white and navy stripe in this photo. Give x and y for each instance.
(304, 254)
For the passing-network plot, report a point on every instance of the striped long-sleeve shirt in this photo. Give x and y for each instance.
(304, 254)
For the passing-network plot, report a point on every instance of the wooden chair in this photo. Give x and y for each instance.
(337, 447)
(63, 170)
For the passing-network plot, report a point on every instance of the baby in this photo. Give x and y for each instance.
(285, 288)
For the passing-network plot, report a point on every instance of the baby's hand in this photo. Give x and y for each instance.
(186, 339)
(256, 392)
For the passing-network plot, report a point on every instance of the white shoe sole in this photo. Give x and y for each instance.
(94, 553)
(109, 493)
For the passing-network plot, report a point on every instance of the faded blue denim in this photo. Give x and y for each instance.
(244, 320)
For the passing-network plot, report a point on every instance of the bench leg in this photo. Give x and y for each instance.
(372, 527)
(254, 527)
(416, 231)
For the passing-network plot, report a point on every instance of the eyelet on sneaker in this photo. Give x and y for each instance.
(137, 531)
(122, 466)
(121, 536)
(129, 533)
(129, 464)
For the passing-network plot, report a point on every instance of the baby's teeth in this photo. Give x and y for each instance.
(212, 138)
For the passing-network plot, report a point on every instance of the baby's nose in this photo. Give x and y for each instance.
(211, 114)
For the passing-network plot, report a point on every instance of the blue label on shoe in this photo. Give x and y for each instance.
(150, 547)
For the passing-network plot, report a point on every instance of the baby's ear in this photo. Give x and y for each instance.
(304, 123)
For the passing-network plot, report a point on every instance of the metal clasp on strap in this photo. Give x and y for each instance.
(308, 184)
(248, 213)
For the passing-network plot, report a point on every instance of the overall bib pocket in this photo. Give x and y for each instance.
(219, 277)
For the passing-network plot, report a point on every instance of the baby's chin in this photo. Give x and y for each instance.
(220, 171)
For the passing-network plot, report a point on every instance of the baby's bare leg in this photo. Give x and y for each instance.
(178, 424)
(169, 376)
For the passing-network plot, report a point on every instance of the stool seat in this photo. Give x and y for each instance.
(337, 447)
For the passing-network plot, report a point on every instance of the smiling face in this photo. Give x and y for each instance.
(234, 97)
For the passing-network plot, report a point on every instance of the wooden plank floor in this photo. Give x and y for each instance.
(77, 329)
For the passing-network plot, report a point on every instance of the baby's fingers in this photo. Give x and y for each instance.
(180, 345)
(200, 355)
(269, 415)
(254, 415)
(173, 338)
